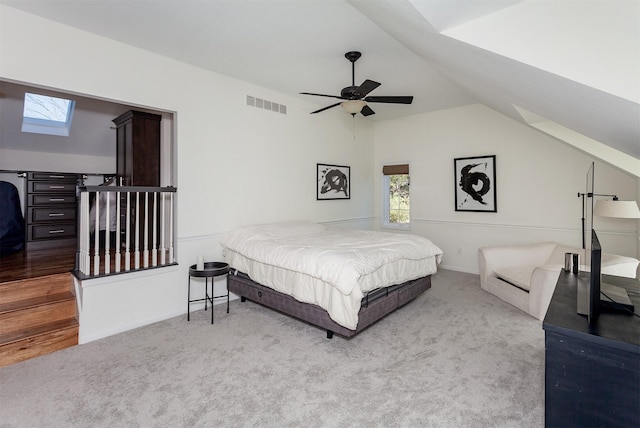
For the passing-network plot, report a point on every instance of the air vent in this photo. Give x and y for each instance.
(266, 105)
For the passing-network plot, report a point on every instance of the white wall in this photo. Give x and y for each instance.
(538, 179)
(20, 160)
(235, 164)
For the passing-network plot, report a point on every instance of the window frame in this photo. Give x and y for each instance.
(386, 207)
(43, 125)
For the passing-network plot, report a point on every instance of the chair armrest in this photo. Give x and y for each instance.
(543, 284)
(491, 258)
(557, 257)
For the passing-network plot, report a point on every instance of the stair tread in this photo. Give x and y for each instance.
(33, 287)
(36, 301)
(38, 330)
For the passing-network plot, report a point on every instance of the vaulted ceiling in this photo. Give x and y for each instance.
(566, 67)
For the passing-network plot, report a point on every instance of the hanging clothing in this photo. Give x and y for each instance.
(12, 227)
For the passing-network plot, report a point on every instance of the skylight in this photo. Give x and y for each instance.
(47, 115)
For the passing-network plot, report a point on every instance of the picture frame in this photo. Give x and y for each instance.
(475, 184)
(333, 182)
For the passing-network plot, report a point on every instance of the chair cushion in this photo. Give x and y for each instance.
(518, 276)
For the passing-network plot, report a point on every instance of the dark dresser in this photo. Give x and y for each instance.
(52, 210)
(592, 375)
(138, 148)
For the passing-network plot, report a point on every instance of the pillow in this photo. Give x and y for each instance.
(519, 276)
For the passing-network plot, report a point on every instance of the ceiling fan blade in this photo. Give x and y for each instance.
(366, 111)
(392, 100)
(366, 87)
(323, 95)
(326, 108)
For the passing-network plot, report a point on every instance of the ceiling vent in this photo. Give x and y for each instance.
(266, 105)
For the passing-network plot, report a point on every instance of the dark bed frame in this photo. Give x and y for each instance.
(374, 306)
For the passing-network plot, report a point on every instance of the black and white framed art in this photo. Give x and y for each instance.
(333, 182)
(475, 183)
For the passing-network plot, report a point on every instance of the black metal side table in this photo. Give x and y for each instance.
(211, 270)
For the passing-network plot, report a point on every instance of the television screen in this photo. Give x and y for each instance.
(593, 294)
(587, 226)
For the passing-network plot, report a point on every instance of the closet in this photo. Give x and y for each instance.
(137, 160)
(138, 148)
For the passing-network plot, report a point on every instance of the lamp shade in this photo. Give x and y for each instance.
(353, 106)
(616, 209)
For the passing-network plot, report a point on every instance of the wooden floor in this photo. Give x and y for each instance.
(34, 263)
(38, 309)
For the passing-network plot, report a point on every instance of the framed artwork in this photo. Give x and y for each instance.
(475, 183)
(333, 182)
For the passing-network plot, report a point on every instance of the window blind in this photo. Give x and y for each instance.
(395, 169)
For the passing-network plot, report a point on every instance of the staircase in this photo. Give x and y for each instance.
(37, 317)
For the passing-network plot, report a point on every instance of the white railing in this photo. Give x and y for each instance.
(135, 229)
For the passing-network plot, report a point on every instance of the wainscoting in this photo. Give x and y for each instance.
(460, 240)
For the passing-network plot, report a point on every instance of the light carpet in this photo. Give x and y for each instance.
(455, 357)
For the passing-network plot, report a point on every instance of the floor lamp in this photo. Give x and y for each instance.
(584, 208)
(616, 209)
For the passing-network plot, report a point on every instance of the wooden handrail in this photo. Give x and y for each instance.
(138, 219)
(131, 189)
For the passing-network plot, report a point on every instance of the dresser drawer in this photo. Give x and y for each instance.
(52, 187)
(41, 199)
(49, 214)
(52, 176)
(51, 231)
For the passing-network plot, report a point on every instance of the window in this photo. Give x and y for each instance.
(396, 196)
(47, 115)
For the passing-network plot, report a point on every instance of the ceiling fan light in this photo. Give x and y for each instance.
(353, 106)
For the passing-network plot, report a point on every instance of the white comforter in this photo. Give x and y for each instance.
(328, 267)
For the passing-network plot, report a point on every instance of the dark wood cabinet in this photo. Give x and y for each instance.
(138, 149)
(137, 162)
(52, 211)
(592, 375)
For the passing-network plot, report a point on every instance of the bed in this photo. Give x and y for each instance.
(339, 280)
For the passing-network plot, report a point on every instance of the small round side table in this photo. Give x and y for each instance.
(211, 270)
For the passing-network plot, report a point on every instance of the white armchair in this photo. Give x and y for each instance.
(526, 275)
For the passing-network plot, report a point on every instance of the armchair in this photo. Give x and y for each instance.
(526, 275)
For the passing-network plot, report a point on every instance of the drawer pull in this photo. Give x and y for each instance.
(56, 176)
(56, 214)
(51, 232)
(56, 199)
(56, 187)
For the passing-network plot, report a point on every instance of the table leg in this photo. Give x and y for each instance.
(213, 283)
(206, 292)
(188, 297)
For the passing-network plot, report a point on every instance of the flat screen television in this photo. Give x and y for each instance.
(595, 296)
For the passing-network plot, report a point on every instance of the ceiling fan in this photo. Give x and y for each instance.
(355, 97)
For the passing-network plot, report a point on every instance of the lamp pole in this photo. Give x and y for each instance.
(590, 195)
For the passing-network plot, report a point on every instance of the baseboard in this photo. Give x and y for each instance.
(86, 338)
(458, 269)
